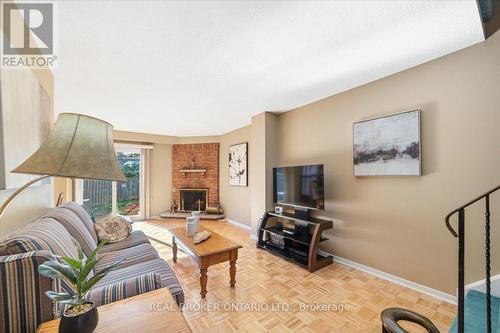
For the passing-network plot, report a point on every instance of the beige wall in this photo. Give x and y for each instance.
(396, 224)
(160, 182)
(257, 168)
(234, 199)
(262, 157)
(62, 185)
(37, 199)
(272, 146)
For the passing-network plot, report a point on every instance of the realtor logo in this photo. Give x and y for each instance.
(28, 34)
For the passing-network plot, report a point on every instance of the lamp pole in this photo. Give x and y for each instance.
(19, 190)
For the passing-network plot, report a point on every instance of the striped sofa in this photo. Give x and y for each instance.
(23, 303)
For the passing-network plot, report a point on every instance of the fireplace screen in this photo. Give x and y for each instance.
(193, 199)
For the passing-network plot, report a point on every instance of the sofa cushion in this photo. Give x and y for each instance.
(133, 255)
(128, 287)
(112, 229)
(75, 227)
(84, 217)
(135, 238)
(160, 266)
(42, 234)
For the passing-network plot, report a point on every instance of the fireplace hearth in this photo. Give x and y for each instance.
(193, 199)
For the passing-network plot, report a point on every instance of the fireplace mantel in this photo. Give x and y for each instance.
(186, 171)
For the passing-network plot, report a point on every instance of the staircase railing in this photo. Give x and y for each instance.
(461, 255)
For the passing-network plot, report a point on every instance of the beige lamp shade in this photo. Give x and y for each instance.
(79, 146)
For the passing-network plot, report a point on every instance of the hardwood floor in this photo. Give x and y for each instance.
(265, 281)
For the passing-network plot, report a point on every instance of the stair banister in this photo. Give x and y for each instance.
(453, 212)
(488, 261)
(461, 255)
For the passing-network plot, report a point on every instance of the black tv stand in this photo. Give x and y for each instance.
(299, 242)
(302, 213)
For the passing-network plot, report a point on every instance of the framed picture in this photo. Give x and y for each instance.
(388, 146)
(238, 164)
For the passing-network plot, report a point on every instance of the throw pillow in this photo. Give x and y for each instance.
(112, 229)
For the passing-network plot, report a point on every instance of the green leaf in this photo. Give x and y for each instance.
(99, 275)
(99, 246)
(58, 297)
(75, 264)
(93, 254)
(78, 250)
(88, 267)
(55, 269)
(91, 262)
(87, 286)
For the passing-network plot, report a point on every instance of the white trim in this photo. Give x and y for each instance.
(254, 237)
(77, 190)
(52, 190)
(144, 183)
(481, 286)
(114, 199)
(395, 279)
(124, 145)
(239, 224)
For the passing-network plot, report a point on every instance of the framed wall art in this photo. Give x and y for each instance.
(238, 164)
(388, 146)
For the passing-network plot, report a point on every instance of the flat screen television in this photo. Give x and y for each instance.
(300, 186)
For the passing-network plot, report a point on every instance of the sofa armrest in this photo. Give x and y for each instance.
(20, 281)
(128, 287)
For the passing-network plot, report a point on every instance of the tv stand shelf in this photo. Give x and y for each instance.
(301, 247)
(291, 216)
(301, 239)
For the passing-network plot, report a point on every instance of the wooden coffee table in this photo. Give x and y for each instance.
(214, 250)
(151, 312)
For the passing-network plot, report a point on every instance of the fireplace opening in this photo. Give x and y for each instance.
(193, 199)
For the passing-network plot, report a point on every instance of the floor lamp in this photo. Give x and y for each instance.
(79, 146)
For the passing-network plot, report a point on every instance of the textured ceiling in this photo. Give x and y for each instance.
(205, 67)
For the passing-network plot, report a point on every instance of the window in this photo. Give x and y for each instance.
(129, 193)
(101, 197)
(97, 197)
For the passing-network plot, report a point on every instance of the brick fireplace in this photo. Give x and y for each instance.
(195, 175)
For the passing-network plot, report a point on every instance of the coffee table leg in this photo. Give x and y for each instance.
(203, 282)
(174, 249)
(232, 272)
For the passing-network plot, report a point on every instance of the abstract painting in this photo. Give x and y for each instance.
(388, 146)
(238, 164)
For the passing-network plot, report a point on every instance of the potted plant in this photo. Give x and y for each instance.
(81, 316)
